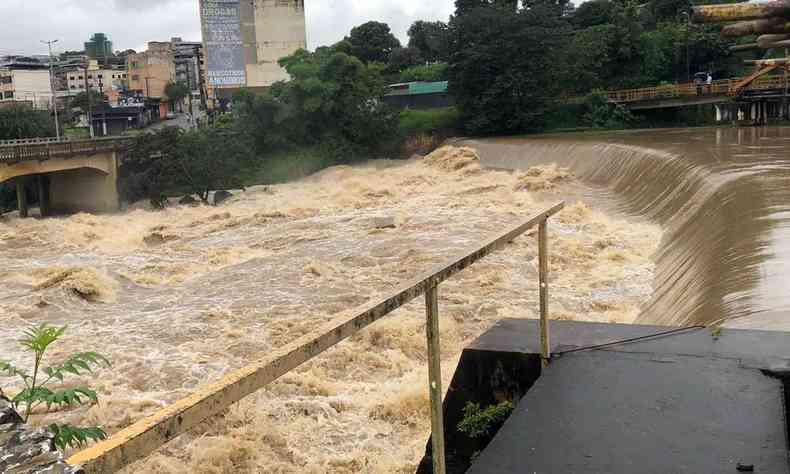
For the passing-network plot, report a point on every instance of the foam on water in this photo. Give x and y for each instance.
(184, 295)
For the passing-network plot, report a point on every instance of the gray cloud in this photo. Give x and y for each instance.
(132, 23)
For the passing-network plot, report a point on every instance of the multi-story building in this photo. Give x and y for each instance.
(25, 86)
(99, 47)
(244, 40)
(149, 72)
(110, 82)
(188, 56)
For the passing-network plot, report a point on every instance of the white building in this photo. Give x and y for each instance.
(111, 81)
(30, 86)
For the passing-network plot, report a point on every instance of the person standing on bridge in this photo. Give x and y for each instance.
(709, 82)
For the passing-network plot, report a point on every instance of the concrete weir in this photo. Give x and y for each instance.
(690, 401)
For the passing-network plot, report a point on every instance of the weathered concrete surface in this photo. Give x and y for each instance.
(279, 30)
(75, 184)
(692, 402)
(25, 450)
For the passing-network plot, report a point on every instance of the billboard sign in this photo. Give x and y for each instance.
(224, 48)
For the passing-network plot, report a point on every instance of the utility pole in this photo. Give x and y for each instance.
(103, 110)
(90, 102)
(52, 86)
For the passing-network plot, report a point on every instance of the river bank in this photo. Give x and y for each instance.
(179, 297)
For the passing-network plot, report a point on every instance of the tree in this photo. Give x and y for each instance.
(176, 91)
(195, 162)
(373, 42)
(593, 13)
(21, 121)
(333, 101)
(503, 68)
(210, 159)
(430, 38)
(81, 100)
(404, 58)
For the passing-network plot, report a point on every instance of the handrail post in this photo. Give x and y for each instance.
(435, 376)
(543, 274)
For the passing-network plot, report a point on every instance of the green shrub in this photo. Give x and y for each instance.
(413, 122)
(479, 423)
(603, 114)
(426, 73)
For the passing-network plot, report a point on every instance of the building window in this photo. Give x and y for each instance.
(9, 95)
(72, 78)
(73, 86)
(82, 86)
(80, 78)
(5, 80)
(135, 77)
(101, 76)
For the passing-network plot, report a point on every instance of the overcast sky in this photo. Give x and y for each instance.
(132, 23)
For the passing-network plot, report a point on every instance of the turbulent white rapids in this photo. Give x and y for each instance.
(179, 297)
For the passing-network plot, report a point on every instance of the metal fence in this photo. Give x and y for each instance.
(147, 435)
(690, 89)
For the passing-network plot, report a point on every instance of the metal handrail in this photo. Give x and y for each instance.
(142, 438)
(15, 151)
(685, 89)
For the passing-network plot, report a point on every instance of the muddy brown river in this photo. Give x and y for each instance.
(722, 196)
(666, 227)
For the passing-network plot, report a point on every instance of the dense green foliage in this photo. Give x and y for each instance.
(505, 89)
(414, 122)
(482, 422)
(23, 122)
(83, 100)
(195, 162)
(39, 389)
(332, 102)
(430, 38)
(600, 113)
(372, 42)
(427, 73)
(510, 68)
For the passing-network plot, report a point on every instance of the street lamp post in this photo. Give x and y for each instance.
(52, 87)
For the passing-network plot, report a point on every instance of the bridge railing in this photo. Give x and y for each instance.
(16, 151)
(690, 89)
(142, 438)
(668, 91)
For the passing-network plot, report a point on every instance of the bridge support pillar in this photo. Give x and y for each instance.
(43, 194)
(21, 197)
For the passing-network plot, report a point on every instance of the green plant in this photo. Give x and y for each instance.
(37, 340)
(479, 423)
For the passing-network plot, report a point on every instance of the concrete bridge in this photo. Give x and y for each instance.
(754, 98)
(67, 176)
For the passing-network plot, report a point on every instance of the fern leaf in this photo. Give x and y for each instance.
(67, 436)
(77, 364)
(38, 338)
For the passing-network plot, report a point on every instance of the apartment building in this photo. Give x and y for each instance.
(149, 72)
(25, 86)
